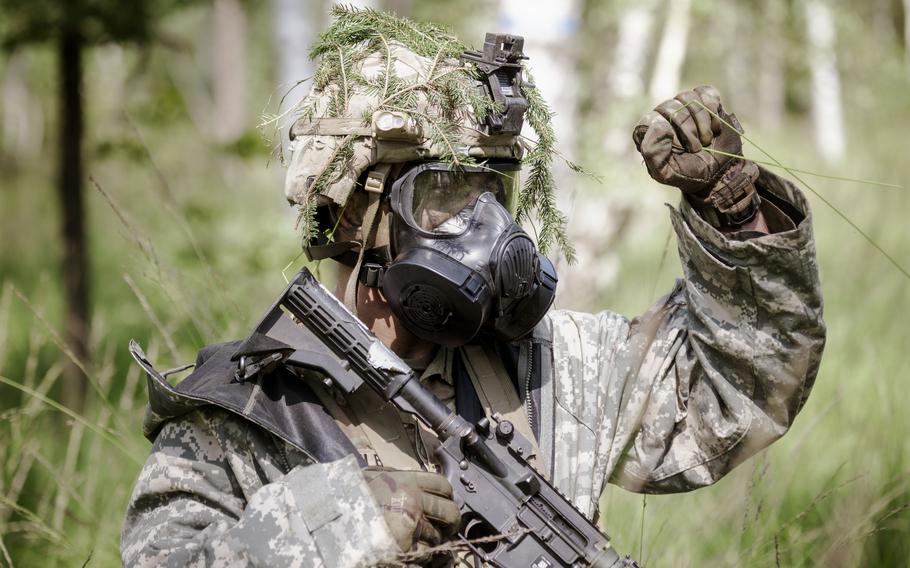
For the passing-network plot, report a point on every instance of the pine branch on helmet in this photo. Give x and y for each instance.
(392, 91)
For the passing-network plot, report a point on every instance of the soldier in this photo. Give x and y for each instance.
(281, 470)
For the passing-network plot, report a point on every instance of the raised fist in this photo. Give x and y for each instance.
(676, 137)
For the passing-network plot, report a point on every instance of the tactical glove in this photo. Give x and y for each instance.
(417, 505)
(673, 139)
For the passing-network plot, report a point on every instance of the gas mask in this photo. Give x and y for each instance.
(460, 263)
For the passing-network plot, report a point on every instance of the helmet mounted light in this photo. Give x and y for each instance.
(396, 126)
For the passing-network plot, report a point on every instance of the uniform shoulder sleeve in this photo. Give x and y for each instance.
(715, 371)
(217, 490)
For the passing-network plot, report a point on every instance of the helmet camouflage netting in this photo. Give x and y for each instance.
(379, 72)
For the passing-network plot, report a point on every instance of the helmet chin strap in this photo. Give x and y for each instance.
(375, 186)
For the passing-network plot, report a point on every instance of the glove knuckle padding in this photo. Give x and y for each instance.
(702, 117)
(679, 116)
(426, 533)
(686, 141)
(441, 511)
(638, 134)
(709, 96)
(433, 483)
(657, 146)
(711, 99)
(642, 127)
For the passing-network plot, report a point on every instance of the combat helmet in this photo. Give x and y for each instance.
(390, 91)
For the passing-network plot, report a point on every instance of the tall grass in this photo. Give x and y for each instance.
(189, 241)
(833, 492)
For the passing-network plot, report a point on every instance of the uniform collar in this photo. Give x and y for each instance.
(440, 365)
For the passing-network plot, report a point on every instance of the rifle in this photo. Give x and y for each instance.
(498, 493)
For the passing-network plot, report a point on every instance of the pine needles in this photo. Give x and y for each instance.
(353, 26)
(445, 99)
(538, 190)
(306, 219)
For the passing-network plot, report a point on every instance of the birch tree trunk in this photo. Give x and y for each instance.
(771, 77)
(630, 56)
(549, 31)
(672, 51)
(827, 110)
(399, 7)
(229, 66)
(883, 21)
(107, 91)
(738, 36)
(296, 25)
(23, 121)
(907, 31)
(626, 77)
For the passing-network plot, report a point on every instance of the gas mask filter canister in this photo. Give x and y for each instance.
(461, 262)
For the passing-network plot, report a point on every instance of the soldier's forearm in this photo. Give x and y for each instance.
(757, 224)
(768, 220)
(746, 335)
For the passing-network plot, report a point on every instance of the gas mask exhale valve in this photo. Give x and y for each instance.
(461, 263)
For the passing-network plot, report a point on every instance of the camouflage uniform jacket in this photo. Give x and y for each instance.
(258, 473)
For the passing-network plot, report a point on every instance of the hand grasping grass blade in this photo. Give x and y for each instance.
(807, 172)
(794, 173)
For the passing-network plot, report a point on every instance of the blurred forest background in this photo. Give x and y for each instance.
(140, 200)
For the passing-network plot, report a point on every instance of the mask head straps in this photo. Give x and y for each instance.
(375, 187)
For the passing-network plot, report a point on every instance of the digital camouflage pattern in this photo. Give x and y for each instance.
(711, 374)
(667, 402)
(219, 491)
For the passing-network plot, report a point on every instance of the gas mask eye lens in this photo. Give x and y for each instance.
(443, 201)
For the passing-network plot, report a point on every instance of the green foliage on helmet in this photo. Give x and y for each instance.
(392, 90)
